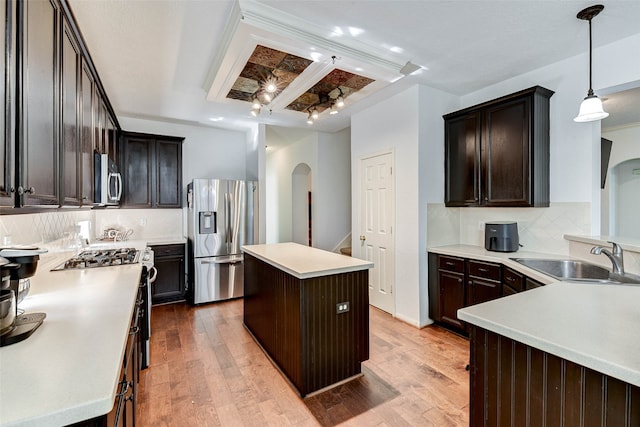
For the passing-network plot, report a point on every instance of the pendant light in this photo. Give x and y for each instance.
(591, 107)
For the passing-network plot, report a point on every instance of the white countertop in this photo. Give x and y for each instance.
(594, 325)
(305, 262)
(68, 370)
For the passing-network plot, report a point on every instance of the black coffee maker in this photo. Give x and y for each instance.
(17, 265)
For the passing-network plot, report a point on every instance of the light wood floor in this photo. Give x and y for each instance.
(206, 370)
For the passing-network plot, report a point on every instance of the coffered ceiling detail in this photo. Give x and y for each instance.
(310, 70)
(322, 94)
(267, 65)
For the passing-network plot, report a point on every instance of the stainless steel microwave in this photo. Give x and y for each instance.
(107, 182)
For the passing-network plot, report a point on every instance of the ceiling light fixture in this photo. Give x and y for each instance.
(591, 107)
(309, 119)
(334, 109)
(314, 114)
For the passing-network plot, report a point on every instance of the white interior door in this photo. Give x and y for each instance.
(377, 218)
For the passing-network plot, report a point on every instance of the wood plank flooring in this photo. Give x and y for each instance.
(206, 370)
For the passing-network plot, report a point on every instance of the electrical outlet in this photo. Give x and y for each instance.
(342, 307)
(143, 221)
(480, 225)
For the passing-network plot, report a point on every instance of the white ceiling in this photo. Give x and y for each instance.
(158, 59)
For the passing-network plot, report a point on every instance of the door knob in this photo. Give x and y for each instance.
(363, 238)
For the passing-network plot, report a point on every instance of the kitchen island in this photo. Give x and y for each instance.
(309, 311)
(561, 354)
(69, 370)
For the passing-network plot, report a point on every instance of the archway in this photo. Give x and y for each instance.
(624, 188)
(301, 204)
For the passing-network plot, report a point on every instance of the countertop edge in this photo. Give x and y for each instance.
(614, 370)
(350, 264)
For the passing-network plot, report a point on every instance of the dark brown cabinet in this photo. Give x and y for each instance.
(512, 281)
(7, 97)
(70, 165)
(456, 282)
(51, 96)
(497, 153)
(169, 286)
(38, 95)
(152, 170)
(483, 282)
(515, 384)
(452, 290)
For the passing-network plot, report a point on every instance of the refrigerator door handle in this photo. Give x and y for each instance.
(229, 224)
(223, 260)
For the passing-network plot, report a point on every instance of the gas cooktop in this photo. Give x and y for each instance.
(100, 258)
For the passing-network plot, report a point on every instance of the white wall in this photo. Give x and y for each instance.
(410, 125)
(626, 146)
(332, 199)
(574, 164)
(279, 169)
(327, 154)
(574, 147)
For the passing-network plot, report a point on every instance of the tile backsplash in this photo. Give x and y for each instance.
(46, 227)
(539, 229)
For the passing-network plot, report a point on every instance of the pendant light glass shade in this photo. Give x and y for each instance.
(591, 107)
(591, 110)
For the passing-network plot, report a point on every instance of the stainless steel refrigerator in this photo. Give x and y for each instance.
(222, 216)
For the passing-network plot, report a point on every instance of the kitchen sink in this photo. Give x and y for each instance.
(577, 271)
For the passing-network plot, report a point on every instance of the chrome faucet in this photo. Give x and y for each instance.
(615, 256)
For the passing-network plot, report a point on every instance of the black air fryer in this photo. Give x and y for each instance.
(501, 236)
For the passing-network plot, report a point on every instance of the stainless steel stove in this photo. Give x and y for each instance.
(101, 258)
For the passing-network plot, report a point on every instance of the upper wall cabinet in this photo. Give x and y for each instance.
(56, 112)
(7, 97)
(152, 170)
(38, 96)
(497, 153)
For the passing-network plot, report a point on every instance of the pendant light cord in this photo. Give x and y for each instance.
(590, 93)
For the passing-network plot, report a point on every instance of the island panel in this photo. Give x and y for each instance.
(514, 384)
(296, 323)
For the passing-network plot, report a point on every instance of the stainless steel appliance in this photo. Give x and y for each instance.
(501, 236)
(222, 216)
(146, 281)
(107, 181)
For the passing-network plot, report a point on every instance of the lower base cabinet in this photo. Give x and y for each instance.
(456, 282)
(513, 384)
(123, 413)
(169, 261)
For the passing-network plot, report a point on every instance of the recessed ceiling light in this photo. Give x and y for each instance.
(337, 32)
(316, 56)
(396, 49)
(355, 32)
(216, 119)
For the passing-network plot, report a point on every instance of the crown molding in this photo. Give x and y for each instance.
(278, 22)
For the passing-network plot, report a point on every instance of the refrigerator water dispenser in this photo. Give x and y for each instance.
(208, 222)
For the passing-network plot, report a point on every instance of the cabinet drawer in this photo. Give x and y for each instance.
(530, 283)
(451, 264)
(484, 270)
(513, 279)
(160, 251)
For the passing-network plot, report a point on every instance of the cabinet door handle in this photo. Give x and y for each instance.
(459, 280)
(484, 270)
(22, 190)
(450, 263)
(134, 330)
(510, 279)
